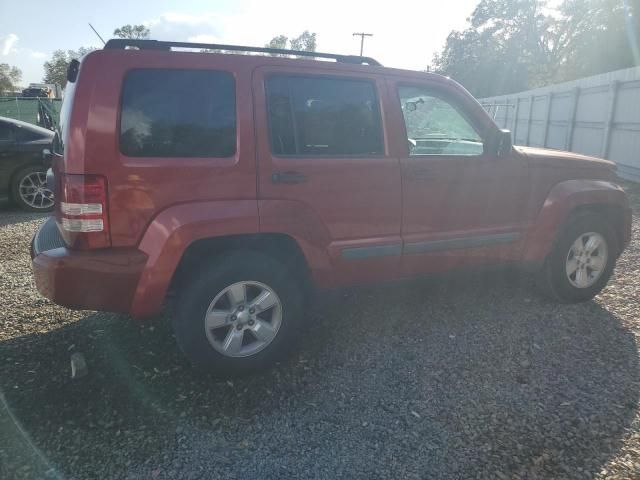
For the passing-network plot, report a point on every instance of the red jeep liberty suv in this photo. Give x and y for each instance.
(240, 182)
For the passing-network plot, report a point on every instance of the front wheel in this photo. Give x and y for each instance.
(240, 314)
(582, 260)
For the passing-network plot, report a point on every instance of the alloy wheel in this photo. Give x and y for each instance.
(243, 319)
(587, 260)
(33, 191)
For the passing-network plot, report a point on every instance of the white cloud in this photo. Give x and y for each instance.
(204, 38)
(8, 42)
(36, 54)
(405, 37)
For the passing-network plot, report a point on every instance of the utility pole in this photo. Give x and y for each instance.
(362, 35)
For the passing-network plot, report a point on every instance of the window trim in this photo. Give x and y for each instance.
(373, 84)
(164, 69)
(438, 93)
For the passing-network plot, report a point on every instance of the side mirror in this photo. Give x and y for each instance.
(500, 143)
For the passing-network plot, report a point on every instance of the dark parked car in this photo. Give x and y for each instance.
(22, 172)
(35, 92)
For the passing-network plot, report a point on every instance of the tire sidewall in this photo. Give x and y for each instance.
(561, 286)
(197, 294)
(15, 189)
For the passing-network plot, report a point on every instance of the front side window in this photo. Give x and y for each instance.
(318, 116)
(178, 113)
(434, 126)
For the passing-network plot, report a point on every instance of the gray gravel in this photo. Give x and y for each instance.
(463, 377)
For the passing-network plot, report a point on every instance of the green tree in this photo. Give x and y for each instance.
(305, 42)
(278, 42)
(513, 45)
(9, 78)
(55, 69)
(606, 36)
(136, 32)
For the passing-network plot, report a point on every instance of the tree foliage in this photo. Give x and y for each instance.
(513, 45)
(9, 77)
(135, 32)
(55, 69)
(306, 42)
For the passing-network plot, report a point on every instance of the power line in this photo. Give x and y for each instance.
(362, 35)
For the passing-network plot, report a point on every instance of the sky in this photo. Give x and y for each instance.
(406, 32)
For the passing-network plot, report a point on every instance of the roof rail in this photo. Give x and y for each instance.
(122, 43)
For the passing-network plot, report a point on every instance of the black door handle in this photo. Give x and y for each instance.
(288, 177)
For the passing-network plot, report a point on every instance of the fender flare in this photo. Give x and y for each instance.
(172, 231)
(564, 198)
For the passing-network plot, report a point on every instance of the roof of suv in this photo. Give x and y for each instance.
(279, 56)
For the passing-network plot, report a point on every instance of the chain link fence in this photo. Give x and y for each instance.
(44, 112)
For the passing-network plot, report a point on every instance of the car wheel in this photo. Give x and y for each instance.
(241, 314)
(29, 190)
(582, 260)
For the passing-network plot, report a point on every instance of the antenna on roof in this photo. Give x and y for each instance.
(96, 32)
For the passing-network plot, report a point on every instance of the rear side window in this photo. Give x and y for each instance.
(7, 134)
(323, 116)
(30, 135)
(178, 113)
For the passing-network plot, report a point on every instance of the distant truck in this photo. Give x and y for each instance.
(42, 90)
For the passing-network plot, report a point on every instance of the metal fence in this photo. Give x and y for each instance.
(597, 116)
(44, 112)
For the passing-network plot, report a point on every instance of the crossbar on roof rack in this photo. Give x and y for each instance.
(122, 43)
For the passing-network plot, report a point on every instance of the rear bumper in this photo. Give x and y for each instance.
(93, 280)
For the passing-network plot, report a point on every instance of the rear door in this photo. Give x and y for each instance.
(325, 173)
(462, 204)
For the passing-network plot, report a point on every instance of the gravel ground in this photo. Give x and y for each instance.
(474, 377)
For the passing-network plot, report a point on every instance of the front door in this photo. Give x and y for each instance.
(462, 205)
(325, 174)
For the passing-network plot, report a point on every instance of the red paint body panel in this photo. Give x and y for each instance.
(98, 280)
(565, 197)
(171, 233)
(355, 219)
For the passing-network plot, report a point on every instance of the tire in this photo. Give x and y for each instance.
(25, 182)
(555, 281)
(258, 273)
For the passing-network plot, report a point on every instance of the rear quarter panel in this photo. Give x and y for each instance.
(140, 188)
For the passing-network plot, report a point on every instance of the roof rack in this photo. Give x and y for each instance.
(122, 43)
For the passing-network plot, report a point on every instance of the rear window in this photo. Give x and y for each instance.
(30, 135)
(323, 116)
(178, 113)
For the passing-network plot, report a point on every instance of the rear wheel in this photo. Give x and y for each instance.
(29, 190)
(241, 314)
(582, 260)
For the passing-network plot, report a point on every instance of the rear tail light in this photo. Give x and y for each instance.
(83, 211)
